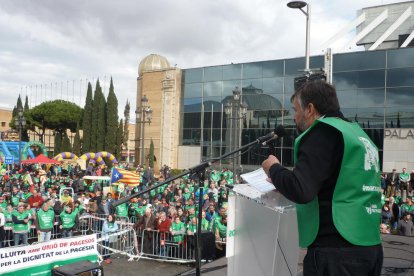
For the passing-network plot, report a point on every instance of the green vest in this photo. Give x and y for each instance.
(406, 208)
(15, 200)
(45, 219)
(141, 210)
(8, 217)
(356, 202)
(222, 229)
(3, 206)
(68, 220)
(122, 210)
(205, 225)
(26, 196)
(91, 187)
(24, 227)
(177, 227)
(192, 227)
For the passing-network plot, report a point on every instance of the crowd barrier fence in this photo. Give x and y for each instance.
(127, 241)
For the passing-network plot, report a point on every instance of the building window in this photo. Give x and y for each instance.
(3, 124)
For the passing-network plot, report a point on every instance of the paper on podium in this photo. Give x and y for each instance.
(257, 179)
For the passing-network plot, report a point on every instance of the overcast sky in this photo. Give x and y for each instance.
(57, 46)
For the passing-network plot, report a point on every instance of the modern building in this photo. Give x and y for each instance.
(375, 88)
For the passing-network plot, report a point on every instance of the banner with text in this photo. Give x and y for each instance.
(39, 259)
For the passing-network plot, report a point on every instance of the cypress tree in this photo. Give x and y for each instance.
(100, 119)
(119, 137)
(111, 120)
(66, 146)
(19, 103)
(58, 143)
(151, 155)
(94, 122)
(77, 143)
(25, 134)
(17, 106)
(26, 104)
(126, 124)
(87, 121)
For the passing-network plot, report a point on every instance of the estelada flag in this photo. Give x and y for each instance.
(124, 176)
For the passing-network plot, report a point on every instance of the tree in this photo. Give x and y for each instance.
(127, 111)
(26, 104)
(98, 130)
(66, 146)
(111, 120)
(151, 155)
(77, 143)
(119, 136)
(57, 115)
(25, 134)
(87, 121)
(58, 143)
(19, 106)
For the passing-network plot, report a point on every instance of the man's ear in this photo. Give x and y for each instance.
(311, 110)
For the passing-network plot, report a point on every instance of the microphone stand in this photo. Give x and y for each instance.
(200, 171)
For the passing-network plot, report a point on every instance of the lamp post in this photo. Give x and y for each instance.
(20, 123)
(144, 116)
(300, 5)
(235, 110)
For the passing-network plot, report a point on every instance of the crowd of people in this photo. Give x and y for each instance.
(48, 200)
(397, 214)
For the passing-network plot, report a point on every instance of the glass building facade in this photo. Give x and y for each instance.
(375, 88)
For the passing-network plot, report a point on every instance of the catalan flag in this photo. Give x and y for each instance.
(124, 176)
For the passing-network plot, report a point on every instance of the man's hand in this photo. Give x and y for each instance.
(270, 161)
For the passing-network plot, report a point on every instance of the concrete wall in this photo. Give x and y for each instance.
(398, 149)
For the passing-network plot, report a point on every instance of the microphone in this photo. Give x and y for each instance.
(279, 132)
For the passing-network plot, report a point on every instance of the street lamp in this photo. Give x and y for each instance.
(300, 5)
(144, 116)
(20, 123)
(235, 110)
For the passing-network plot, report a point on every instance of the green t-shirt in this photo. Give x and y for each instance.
(45, 219)
(68, 219)
(177, 227)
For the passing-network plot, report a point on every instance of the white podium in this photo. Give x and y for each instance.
(262, 235)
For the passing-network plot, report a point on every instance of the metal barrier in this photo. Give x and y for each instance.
(136, 244)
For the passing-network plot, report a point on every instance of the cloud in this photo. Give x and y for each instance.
(64, 44)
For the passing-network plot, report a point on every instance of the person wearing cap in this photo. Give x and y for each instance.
(44, 222)
(147, 223)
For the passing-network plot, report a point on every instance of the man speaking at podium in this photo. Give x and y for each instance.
(336, 185)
